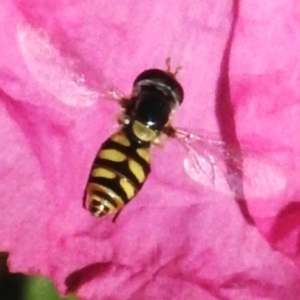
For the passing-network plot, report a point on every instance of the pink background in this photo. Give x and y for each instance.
(177, 239)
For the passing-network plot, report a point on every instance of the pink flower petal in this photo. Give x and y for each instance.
(176, 239)
(265, 76)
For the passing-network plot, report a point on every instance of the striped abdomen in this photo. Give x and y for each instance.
(118, 173)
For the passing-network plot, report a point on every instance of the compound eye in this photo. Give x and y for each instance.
(162, 78)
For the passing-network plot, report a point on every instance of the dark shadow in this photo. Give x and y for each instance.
(86, 274)
(287, 222)
(225, 117)
(11, 285)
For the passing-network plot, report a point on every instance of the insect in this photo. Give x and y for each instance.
(122, 164)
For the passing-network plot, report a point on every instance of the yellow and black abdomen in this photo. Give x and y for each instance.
(118, 173)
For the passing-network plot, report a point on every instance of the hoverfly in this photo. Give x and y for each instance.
(123, 162)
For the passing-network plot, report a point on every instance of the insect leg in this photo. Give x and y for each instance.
(116, 216)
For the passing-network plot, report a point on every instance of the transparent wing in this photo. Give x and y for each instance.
(57, 73)
(230, 169)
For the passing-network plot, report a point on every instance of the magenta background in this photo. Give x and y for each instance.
(176, 240)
